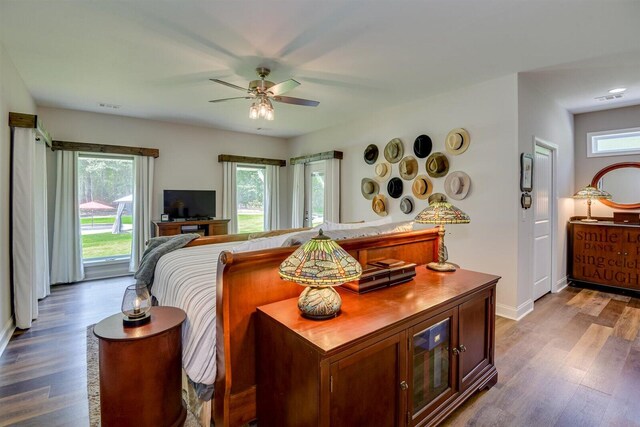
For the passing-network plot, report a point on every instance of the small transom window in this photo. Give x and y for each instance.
(613, 142)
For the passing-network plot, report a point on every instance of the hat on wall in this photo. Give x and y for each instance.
(457, 141)
(371, 154)
(437, 165)
(457, 185)
(382, 171)
(394, 187)
(422, 146)
(422, 187)
(406, 205)
(379, 205)
(437, 197)
(408, 168)
(369, 188)
(394, 150)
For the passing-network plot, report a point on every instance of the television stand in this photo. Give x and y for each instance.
(205, 227)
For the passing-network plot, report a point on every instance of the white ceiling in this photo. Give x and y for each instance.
(154, 58)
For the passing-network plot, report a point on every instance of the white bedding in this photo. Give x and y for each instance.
(186, 278)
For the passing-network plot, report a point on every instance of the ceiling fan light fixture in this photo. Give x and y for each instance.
(270, 115)
(253, 111)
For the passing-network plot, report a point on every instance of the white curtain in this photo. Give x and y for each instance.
(332, 190)
(297, 198)
(142, 205)
(66, 256)
(30, 242)
(229, 205)
(272, 198)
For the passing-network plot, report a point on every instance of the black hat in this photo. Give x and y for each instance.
(394, 187)
(422, 146)
(371, 154)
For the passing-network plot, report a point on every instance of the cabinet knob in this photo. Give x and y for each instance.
(626, 253)
(619, 253)
(455, 351)
(404, 385)
(463, 348)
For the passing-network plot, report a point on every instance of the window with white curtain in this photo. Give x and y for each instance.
(250, 198)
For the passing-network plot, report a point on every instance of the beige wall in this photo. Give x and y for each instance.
(14, 97)
(586, 168)
(489, 112)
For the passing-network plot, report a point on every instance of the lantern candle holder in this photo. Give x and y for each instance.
(136, 306)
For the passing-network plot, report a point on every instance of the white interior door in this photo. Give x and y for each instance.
(314, 193)
(543, 205)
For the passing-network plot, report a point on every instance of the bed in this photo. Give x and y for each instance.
(243, 282)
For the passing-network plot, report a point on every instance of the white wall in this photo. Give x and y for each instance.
(14, 97)
(489, 112)
(188, 154)
(586, 168)
(539, 116)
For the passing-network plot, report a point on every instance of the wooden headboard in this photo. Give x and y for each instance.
(250, 280)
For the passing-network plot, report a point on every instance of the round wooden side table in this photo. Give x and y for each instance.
(140, 370)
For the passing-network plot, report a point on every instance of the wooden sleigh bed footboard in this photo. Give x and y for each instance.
(250, 280)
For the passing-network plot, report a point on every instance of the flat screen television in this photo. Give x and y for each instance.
(190, 204)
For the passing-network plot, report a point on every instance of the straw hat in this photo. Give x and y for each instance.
(369, 188)
(371, 154)
(457, 141)
(457, 185)
(422, 187)
(437, 165)
(408, 168)
(379, 205)
(406, 205)
(395, 187)
(382, 171)
(422, 146)
(394, 150)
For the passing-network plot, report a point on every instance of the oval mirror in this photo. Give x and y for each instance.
(621, 181)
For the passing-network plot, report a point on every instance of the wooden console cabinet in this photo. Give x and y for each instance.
(605, 253)
(401, 356)
(212, 227)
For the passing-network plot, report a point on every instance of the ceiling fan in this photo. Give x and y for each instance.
(263, 92)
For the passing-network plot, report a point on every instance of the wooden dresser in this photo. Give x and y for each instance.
(207, 227)
(604, 253)
(401, 356)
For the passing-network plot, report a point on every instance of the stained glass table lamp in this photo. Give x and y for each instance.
(589, 193)
(441, 213)
(320, 264)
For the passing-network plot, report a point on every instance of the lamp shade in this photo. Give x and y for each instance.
(320, 261)
(442, 213)
(590, 192)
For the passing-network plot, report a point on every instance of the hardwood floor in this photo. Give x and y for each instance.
(43, 369)
(574, 361)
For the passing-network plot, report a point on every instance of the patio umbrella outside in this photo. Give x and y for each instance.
(117, 224)
(93, 206)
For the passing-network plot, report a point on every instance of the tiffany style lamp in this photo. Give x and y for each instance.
(589, 193)
(441, 213)
(320, 264)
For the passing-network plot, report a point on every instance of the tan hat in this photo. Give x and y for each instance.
(394, 150)
(379, 205)
(406, 205)
(382, 171)
(457, 185)
(422, 187)
(369, 188)
(408, 168)
(437, 165)
(457, 141)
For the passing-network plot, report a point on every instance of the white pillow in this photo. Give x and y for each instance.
(340, 226)
(263, 243)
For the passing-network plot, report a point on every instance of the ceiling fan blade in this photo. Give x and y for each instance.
(229, 84)
(229, 99)
(296, 101)
(283, 87)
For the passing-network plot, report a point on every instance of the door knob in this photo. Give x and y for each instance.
(463, 348)
(455, 351)
(404, 385)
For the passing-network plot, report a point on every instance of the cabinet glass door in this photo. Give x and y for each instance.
(431, 365)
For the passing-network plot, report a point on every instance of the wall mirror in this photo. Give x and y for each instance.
(621, 180)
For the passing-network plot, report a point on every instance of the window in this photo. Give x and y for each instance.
(105, 197)
(314, 193)
(613, 143)
(250, 191)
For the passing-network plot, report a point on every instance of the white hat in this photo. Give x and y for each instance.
(382, 171)
(457, 185)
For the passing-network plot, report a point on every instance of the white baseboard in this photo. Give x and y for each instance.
(561, 284)
(514, 313)
(6, 333)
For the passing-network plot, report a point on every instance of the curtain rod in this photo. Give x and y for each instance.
(29, 121)
(103, 148)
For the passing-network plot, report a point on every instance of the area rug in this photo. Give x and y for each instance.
(93, 383)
